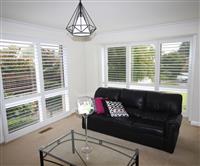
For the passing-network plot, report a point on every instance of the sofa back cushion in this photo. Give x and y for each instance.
(112, 94)
(163, 102)
(133, 98)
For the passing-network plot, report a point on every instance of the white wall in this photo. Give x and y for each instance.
(162, 31)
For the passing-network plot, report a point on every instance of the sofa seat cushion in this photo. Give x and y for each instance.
(146, 115)
(134, 112)
(155, 116)
(109, 121)
(130, 125)
(148, 127)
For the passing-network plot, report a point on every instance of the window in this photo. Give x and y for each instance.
(143, 64)
(117, 64)
(52, 66)
(161, 66)
(18, 68)
(22, 115)
(174, 63)
(54, 105)
(174, 68)
(33, 85)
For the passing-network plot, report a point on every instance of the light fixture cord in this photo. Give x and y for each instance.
(80, 8)
(80, 15)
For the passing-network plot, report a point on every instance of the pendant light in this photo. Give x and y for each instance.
(80, 24)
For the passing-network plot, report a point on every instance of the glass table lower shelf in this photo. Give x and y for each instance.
(66, 151)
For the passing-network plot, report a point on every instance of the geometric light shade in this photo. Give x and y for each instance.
(80, 23)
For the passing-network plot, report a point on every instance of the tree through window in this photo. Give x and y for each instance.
(143, 64)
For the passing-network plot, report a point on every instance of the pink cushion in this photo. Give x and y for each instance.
(99, 105)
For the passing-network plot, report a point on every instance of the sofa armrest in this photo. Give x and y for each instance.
(174, 121)
(171, 132)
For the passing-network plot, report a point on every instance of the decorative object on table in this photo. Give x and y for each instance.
(85, 108)
(81, 24)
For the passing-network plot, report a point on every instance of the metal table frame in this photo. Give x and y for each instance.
(134, 159)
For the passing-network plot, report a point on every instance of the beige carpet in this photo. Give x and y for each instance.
(24, 151)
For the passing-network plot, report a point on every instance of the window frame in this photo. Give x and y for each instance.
(38, 96)
(157, 86)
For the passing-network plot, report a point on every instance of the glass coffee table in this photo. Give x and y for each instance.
(66, 151)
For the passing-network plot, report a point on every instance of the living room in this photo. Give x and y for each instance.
(145, 45)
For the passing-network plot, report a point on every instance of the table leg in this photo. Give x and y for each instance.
(137, 160)
(41, 158)
(73, 143)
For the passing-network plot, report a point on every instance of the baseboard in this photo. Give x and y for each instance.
(195, 123)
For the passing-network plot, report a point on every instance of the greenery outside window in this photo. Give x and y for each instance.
(161, 66)
(174, 63)
(54, 105)
(52, 61)
(17, 68)
(117, 64)
(22, 116)
(143, 64)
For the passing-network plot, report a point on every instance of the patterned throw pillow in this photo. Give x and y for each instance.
(116, 109)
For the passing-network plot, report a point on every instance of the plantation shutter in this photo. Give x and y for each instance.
(174, 63)
(54, 105)
(18, 68)
(117, 64)
(52, 60)
(143, 64)
(21, 116)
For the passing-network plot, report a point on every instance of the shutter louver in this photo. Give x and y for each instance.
(52, 60)
(143, 64)
(54, 105)
(18, 68)
(174, 63)
(22, 116)
(117, 64)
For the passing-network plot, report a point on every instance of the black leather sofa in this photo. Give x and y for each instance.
(154, 117)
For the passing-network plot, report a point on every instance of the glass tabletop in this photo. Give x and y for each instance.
(66, 150)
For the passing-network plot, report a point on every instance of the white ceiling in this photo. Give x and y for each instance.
(108, 15)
